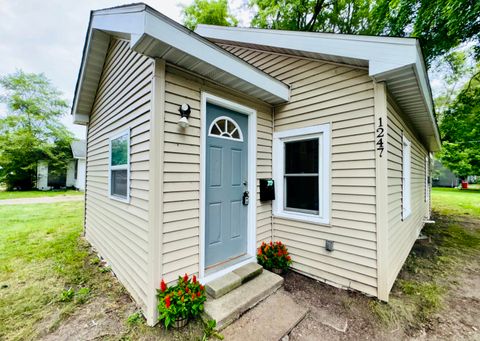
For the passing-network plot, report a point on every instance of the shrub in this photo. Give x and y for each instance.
(183, 300)
(273, 256)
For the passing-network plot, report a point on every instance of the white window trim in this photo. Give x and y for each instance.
(406, 177)
(279, 138)
(127, 167)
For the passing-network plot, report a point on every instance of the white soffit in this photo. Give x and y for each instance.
(155, 35)
(397, 61)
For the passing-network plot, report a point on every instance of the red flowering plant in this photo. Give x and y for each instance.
(273, 256)
(181, 301)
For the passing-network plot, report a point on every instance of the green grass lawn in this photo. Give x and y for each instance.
(37, 194)
(453, 201)
(48, 272)
(39, 257)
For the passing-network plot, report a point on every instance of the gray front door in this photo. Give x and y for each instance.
(226, 182)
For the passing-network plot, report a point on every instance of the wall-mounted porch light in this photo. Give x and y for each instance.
(184, 110)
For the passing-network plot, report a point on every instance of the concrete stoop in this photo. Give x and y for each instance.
(232, 280)
(270, 320)
(230, 306)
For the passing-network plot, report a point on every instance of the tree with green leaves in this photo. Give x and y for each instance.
(31, 129)
(339, 16)
(460, 130)
(440, 25)
(213, 12)
(454, 69)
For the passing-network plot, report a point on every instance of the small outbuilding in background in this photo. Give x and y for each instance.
(72, 176)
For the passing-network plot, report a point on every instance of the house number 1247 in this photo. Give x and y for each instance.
(380, 135)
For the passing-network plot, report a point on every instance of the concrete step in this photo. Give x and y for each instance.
(270, 320)
(231, 306)
(232, 280)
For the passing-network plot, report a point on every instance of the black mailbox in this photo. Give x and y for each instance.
(267, 189)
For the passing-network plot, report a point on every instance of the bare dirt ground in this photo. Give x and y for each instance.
(335, 314)
(460, 318)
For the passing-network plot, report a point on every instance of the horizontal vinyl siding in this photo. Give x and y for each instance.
(402, 234)
(181, 253)
(119, 231)
(342, 96)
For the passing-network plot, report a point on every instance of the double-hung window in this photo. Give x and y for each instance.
(301, 172)
(120, 166)
(406, 178)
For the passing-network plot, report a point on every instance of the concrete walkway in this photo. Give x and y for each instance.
(41, 200)
(270, 320)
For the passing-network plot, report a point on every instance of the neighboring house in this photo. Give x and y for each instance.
(72, 176)
(76, 167)
(344, 125)
(442, 176)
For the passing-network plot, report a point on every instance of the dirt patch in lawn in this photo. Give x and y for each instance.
(100, 318)
(109, 313)
(110, 318)
(334, 314)
(436, 295)
(460, 318)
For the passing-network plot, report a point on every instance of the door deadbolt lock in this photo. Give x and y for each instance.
(245, 198)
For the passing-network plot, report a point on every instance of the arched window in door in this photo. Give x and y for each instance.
(226, 128)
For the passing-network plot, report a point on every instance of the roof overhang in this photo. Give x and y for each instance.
(396, 61)
(155, 35)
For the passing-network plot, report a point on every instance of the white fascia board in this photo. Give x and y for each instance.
(104, 20)
(197, 47)
(424, 85)
(135, 22)
(382, 53)
(81, 119)
(130, 23)
(142, 22)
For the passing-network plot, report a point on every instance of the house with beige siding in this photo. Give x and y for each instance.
(182, 127)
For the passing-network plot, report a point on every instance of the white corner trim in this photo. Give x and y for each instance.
(110, 167)
(279, 138)
(252, 177)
